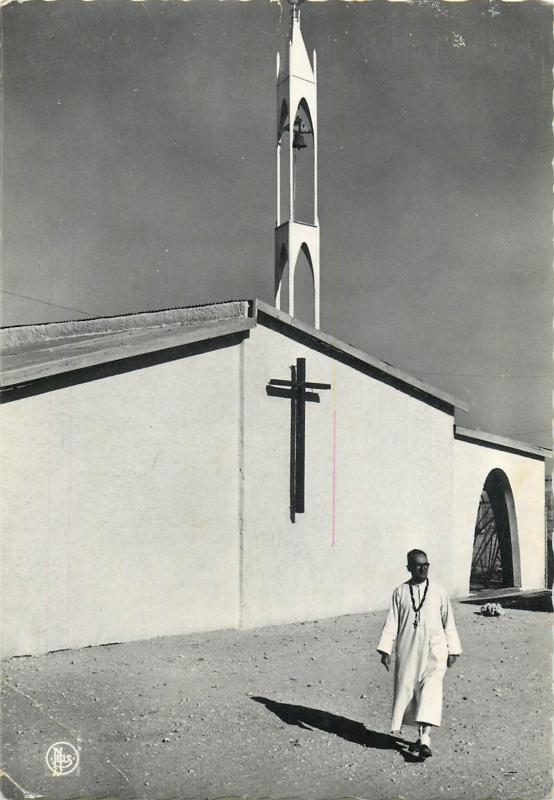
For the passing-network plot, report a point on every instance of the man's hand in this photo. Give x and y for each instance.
(385, 660)
(451, 660)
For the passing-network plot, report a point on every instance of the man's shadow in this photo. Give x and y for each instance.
(356, 732)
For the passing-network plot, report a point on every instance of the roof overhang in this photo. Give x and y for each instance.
(31, 352)
(500, 443)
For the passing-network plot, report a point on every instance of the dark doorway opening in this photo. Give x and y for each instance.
(495, 559)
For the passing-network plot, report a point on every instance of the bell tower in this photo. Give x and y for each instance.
(297, 138)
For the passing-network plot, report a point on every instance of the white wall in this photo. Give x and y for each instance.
(473, 462)
(394, 490)
(120, 507)
(125, 515)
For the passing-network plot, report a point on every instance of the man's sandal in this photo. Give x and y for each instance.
(424, 751)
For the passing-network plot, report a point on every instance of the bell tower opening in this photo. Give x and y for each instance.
(303, 170)
(304, 286)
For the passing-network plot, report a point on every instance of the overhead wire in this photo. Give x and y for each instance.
(47, 303)
(477, 374)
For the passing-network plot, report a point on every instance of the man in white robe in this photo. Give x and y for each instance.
(421, 621)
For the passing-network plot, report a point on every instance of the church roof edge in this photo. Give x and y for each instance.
(33, 351)
(359, 355)
(499, 442)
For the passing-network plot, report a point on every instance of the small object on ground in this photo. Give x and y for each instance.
(424, 751)
(492, 610)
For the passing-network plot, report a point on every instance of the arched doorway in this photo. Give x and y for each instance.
(495, 559)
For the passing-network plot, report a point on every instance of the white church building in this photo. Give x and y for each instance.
(230, 466)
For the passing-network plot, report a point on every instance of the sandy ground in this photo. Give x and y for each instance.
(295, 710)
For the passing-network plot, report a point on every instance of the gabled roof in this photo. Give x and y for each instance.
(271, 317)
(32, 352)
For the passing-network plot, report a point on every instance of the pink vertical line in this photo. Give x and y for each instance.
(334, 473)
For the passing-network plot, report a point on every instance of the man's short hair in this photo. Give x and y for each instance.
(413, 553)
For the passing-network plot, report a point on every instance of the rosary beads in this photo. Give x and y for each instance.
(417, 609)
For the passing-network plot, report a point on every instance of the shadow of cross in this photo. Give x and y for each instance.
(296, 391)
(352, 731)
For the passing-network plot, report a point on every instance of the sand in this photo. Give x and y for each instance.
(297, 710)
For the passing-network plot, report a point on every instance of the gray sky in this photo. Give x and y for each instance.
(139, 174)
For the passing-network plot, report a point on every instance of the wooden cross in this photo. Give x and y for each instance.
(295, 390)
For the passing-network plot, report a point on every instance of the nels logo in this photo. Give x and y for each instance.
(62, 758)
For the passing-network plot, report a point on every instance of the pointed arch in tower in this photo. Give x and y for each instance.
(304, 166)
(290, 242)
(303, 283)
(305, 107)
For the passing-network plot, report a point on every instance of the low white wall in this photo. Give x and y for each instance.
(473, 463)
(394, 489)
(120, 507)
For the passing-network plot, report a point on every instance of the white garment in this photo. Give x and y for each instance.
(421, 652)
